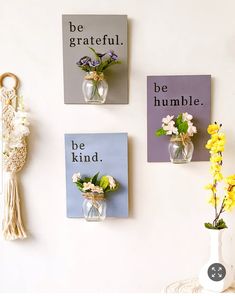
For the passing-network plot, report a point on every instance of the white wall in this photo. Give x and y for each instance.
(164, 239)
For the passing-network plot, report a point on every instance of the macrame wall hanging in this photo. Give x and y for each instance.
(14, 132)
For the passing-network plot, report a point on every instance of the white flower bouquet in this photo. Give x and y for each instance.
(93, 190)
(13, 138)
(181, 129)
(95, 184)
(181, 126)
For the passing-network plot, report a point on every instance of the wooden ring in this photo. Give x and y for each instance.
(13, 76)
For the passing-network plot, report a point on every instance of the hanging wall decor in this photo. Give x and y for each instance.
(94, 86)
(174, 95)
(94, 191)
(14, 132)
(96, 175)
(180, 129)
(106, 36)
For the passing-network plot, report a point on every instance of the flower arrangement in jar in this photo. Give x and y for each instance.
(181, 130)
(95, 87)
(93, 191)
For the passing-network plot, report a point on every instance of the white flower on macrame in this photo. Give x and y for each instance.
(21, 117)
(167, 120)
(14, 137)
(14, 142)
(76, 177)
(20, 131)
(112, 183)
(191, 129)
(186, 116)
(170, 128)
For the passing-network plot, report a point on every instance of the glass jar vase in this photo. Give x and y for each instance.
(180, 149)
(95, 88)
(94, 206)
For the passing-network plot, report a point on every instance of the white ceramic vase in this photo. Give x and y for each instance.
(216, 275)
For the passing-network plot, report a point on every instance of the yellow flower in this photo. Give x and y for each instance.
(210, 187)
(209, 144)
(231, 195)
(218, 176)
(216, 158)
(213, 200)
(220, 143)
(218, 137)
(216, 143)
(222, 136)
(230, 180)
(229, 205)
(213, 128)
(217, 147)
(215, 168)
(229, 201)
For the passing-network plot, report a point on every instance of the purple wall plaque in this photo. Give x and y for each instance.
(171, 95)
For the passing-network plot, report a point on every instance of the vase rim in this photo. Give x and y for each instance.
(180, 136)
(219, 230)
(95, 72)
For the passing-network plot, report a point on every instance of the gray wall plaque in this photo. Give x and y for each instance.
(103, 33)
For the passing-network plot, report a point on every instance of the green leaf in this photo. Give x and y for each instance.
(209, 226)
(183, 127)
(104, 182)
(92, 49)
(85, 68)
(179, 120)
(87, 179)
(221, 224)
(103, 66)
(106, 64)
(79, 186)
(94, 179)
(160, 132)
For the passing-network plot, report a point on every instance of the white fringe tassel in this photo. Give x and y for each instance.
(12, 224)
